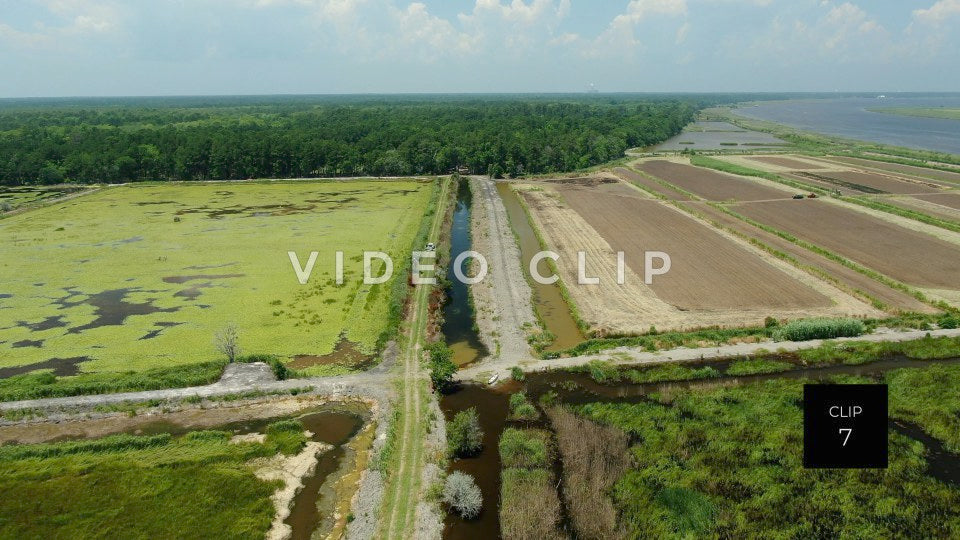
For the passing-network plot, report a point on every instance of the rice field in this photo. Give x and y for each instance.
(139, 277)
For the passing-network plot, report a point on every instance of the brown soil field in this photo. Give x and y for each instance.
(883, 182)
(952, 177)
(710, 185)
(946, 199)
(786, 162)
(641, 180)
(936, 205)
(850, 279)
(715, 279)
(909, 256)
(709, 271)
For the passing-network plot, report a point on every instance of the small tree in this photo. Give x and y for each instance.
(227, 342)
(442, 367)
(5, 206)
(463, 495)
(464, 436)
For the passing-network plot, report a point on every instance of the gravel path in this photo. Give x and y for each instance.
(502, 300)
(631, 356)
(236, 378)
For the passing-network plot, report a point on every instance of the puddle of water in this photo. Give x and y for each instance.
(161, 326)
(547, 299)
(942, 464)
(46, 324)
(27, 343)
(111, 308)
(459, 327)
(62, 367)
(184, 279)
(344, 354)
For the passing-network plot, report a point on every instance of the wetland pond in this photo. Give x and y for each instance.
(577, 388)
(314, 505)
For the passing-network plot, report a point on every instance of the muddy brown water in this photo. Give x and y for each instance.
(345, 353)
(547, 299)
(578, 388)
(459, 327)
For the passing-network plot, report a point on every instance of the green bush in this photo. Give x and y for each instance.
(286, 436)
(819, 328)
(670, 372)
(464, 436)
(517, 374)
(521, 408)
(755, 366)
(442, 367)
(524, 448)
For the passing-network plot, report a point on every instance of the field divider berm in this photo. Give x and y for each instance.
(403, 489)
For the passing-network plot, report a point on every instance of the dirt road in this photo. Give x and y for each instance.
(503, 299)
(399, 510)
(636, 356)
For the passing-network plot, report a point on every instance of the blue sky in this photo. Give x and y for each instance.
(169, 47)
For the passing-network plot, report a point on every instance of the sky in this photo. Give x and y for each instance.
(192, 47)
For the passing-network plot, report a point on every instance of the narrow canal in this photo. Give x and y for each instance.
(459, 325)
(547, 299)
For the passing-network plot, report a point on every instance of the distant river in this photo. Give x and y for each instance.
(849, 117)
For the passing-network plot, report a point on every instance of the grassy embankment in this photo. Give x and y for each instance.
(718, 461)
(923, 112)
(125, 486)
(529, 506)
(830, 353)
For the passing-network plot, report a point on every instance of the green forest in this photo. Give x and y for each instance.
(154, 139)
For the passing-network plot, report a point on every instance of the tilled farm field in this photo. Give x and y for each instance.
(875, 181)
(952, 177)
(909, 256)
(790, 163)
(715, 279)
(711, 185)
(944, 199)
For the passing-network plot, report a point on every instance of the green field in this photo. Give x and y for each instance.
(126, 486)
(139, 277)
(938, 112)
(13, 198)
(727, 462)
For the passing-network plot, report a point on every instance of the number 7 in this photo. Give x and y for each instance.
(847, 438)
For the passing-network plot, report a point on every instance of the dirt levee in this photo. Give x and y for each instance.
(903, 254)
(947, 176)
(882, 182)
(710, 185)
(708, 272)
(945, 199)
(786, 162)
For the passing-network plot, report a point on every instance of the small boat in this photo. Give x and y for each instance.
(493, 379)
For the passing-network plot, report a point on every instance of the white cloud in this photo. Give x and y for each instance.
(938, 13)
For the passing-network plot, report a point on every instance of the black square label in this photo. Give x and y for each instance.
(845, 426)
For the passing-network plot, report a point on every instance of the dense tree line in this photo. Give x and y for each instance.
(196, 140)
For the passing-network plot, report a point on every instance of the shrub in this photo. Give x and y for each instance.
(286, 436)
(442, 367)
(464, 436)
(524, 448)
(521, 408)
(462, 495)
(517, 374)
(949, 322)
(602, 372)
(755, 366)
(820, 328)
